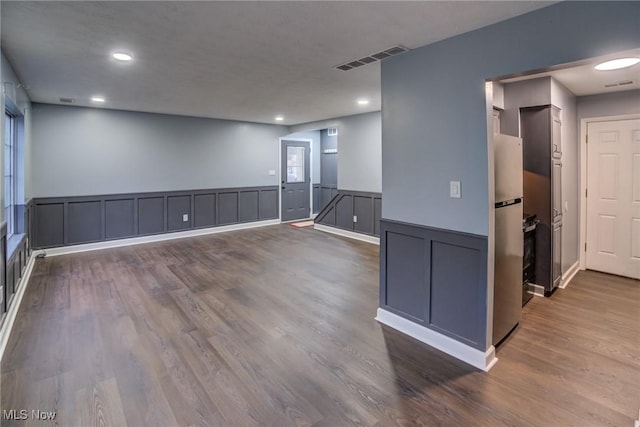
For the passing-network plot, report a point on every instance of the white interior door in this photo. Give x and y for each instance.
(613, 197)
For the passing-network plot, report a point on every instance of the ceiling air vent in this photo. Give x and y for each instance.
(370, 59)
(623, 83)
(66, 100)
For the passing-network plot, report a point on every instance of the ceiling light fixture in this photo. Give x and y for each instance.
(98, 99)
(121, 56)
(616, 64)
(363, 102)
(279, 118)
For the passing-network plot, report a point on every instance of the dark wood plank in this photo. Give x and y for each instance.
(274, 326)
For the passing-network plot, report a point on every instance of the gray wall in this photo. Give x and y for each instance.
(434, 105)
(564, 99)
(609, 104)
(88, 151)
(526, 93)
(328, 161)
(359, 150)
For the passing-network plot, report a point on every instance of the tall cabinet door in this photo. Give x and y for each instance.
(556, 179)
(557, 254)
(556, 133)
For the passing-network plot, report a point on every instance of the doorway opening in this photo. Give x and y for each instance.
(323, 168)
(580, 94)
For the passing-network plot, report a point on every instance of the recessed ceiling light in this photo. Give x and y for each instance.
(363, 102)
(98, 99)
(121, 56)
(279, 118)
(616, 64)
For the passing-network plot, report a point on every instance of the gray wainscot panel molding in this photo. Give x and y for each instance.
(84, 221)
(14, 255)
(204, 210)
(62, 221)
(179, 212)
(119, 218)
(316, 198)
(345, 206)
(151, 215)
(228, 207)
(248, 207)
(435, 278)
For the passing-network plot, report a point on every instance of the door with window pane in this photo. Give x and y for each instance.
(295, 177)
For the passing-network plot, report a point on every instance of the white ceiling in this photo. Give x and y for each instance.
(233, 60)
(583, 79)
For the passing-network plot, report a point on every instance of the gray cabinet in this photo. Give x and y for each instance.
(542, 187)
(556, 254)
(556, 191)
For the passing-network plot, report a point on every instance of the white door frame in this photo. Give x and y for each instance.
(310, 141)
(583, 177)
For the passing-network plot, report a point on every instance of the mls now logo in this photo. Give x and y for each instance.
(23, 414)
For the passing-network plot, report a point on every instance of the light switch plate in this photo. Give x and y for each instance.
(454, 189)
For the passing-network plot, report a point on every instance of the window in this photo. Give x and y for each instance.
(10, 142)
(295, 164)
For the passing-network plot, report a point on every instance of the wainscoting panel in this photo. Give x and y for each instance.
(339, 212)
(363, 211)
(316, 198)
(177, 206)
(119, 217)
(407, 260)
(268, 204)
(49, 221)
(5, 294)
(344, 212)
(377, 215)
(204, 210)
(436, 278)
(151, 214)
(84, 222)
(327, 192)
(227, 208)
(454, 272)
(62, 221)
(249, 206)
(15, 252)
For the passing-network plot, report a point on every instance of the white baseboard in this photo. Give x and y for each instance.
(345, 233)
(156, 238)
(474, 357)
(569, 274)
(5, 331)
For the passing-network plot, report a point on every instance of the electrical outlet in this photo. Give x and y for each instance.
(185, 217)
(272, 172)
(355, 218)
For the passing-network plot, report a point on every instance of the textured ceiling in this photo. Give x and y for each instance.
(233, 60)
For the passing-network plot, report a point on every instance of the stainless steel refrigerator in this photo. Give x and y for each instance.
(509, 238)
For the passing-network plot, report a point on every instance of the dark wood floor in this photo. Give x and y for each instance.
(274, 326)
